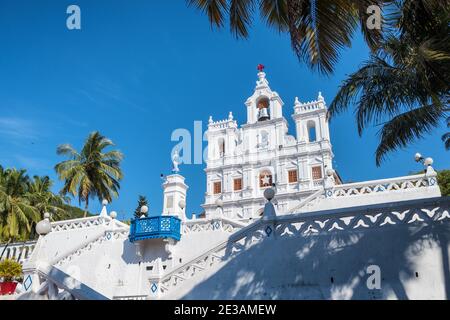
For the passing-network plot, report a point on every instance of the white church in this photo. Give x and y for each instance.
(278, 223)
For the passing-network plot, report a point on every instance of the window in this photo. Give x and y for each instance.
(217, 187)
(317, 173)
(265, 179)
(312, 135)
(221, 148)
(169, 202)
(293, 176)
(238, 184)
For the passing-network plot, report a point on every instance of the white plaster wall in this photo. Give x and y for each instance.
(304, 267)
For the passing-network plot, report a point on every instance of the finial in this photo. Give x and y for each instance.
(176, 162)
(320, 98)
(260, 67)
(104, 212)
(44, 227)
(230, 116)
(113, 215)
(297, 101)
(210, 120)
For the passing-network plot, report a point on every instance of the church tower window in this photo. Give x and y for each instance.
(265, 179)
(317, 173)
(221, 148)
(217, 187)
(312, 134)
(263, 109)
(238, 184)
(293, 176)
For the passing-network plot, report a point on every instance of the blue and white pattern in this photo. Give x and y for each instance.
(154, 288)
(268, 231)
(28, 282)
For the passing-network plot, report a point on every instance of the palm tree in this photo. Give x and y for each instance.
(404, 86)
(318, 29)
(41, 197)
(91, 173)
(17, 214)
(446, 137)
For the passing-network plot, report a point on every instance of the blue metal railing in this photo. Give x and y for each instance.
(155, 228)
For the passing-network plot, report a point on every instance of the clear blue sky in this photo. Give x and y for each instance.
(139, 70)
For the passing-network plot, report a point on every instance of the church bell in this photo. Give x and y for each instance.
(263, 114)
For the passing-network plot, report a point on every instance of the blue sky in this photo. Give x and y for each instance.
(139, 70)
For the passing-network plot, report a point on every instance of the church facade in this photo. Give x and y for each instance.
(243, 161)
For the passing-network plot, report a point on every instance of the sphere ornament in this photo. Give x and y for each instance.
(182, 204)
(418, 157)
(428, 162)
(269, 194)
(219, 203)
(113, 214)
(105, 202)
(44, 227)
(144, 210)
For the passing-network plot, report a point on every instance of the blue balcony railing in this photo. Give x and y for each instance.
(155, 228)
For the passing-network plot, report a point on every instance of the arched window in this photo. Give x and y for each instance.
(265, 179)
(221, 147)
(263, 109)
(312, 134)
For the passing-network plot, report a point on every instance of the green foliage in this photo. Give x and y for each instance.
(90, 173)
(141, 202)
(23, 201)
(404, 86)
(10, 270)
(318, 30)
(444, 182)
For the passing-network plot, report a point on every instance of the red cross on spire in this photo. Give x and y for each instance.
(261, 67)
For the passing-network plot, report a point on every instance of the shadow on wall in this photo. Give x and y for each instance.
(334, 266)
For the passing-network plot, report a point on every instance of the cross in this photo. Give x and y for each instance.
(260, 67)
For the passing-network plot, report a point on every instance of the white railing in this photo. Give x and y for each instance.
(212, 224)
(84, 223)
(17, 251)
(377, 186)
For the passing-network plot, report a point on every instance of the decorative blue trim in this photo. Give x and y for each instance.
(432, 182)
(154, 288)
(268, 231)
(161, 227)
(108, 235)
(27, 283)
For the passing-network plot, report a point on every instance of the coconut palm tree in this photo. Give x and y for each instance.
(404, 86)
(318, 29)
(40, 196)
(92, 172)
(17, 214)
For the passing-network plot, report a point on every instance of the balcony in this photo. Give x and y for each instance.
(162, 227)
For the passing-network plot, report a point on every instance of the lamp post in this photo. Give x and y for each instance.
(144, 211)
(430, 173)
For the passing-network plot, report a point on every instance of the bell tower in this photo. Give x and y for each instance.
(264, 104)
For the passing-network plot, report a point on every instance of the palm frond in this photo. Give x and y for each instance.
(407, 127)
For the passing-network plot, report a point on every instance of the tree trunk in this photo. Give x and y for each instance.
(86, 208)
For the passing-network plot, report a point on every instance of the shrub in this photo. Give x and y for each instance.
(10, 270)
